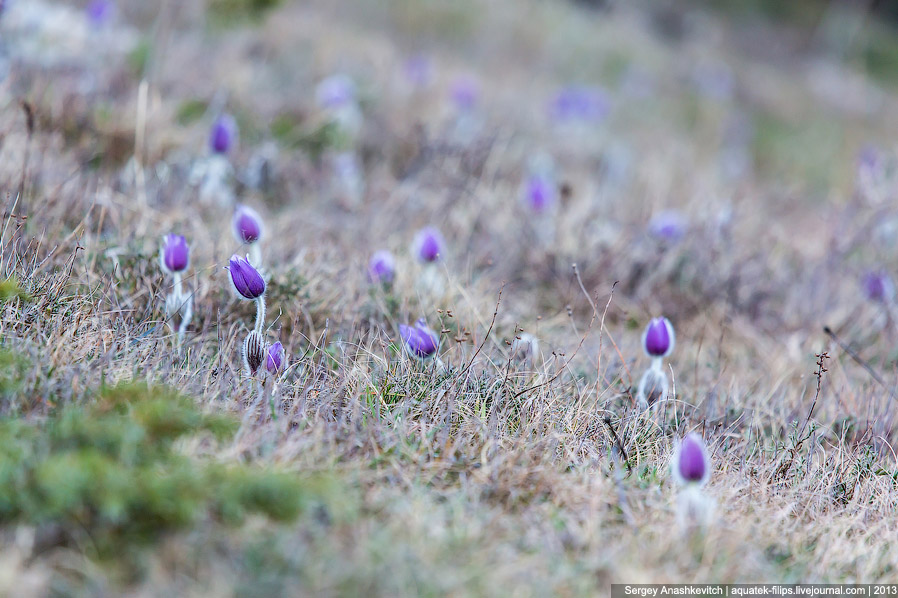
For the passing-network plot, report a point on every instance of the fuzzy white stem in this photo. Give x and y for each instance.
(652, 386)
(695, 510)
(179, 287)
(260, 314)
(186, 312)
(255, 254)
(431, 283)
(274, 397)
(658, 364)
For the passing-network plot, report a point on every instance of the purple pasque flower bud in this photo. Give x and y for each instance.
(274, 360)
(420, 341)
(382, 267)
(418, 71)
(691, 463)
(540, 193)
(658, 339)
(174, 254)
(868, 160)
(580, 103)
(878, 286)
(668, 226)
(464, 93)
(247, 281)
(246, 225)
(223, 134)
(334, 92)
(99, 12)
(429, 245)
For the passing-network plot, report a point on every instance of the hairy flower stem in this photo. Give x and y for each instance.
(273, 398)
(255, 255)
(695, 510)
(179, 287)
(179, 304)
(264, 400)
(184, 308)
(653, 385)
(260, 314)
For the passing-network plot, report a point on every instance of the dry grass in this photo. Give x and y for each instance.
(496, 475)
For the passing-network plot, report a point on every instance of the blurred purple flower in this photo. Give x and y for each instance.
(868, 160)
(583, 103)
(540, 193)
(246, 225)
(382, 267)
(428, 245)
(420, 341)
(658, 339)
(418, 71)
(223, 134)
(99, 12)
(691, 464)
(247, 281)
(668, 226)
(335, 92)
(274, 360)
(175, 254)
(878, 286)
(464, 93)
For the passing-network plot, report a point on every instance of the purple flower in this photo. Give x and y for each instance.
(175, 254)
(335, 92)
(420, 341)
(99, 12)
(580, 103)
(246, 225)
(428, 245)
(878, 286)
(668, 226)
(275, 358)
(418, 71)
(658, 339)
(869, 161)
(223, 134)
(382, 267)
(540, 193)
(246, 280)
(691, 464)
(464, 93)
